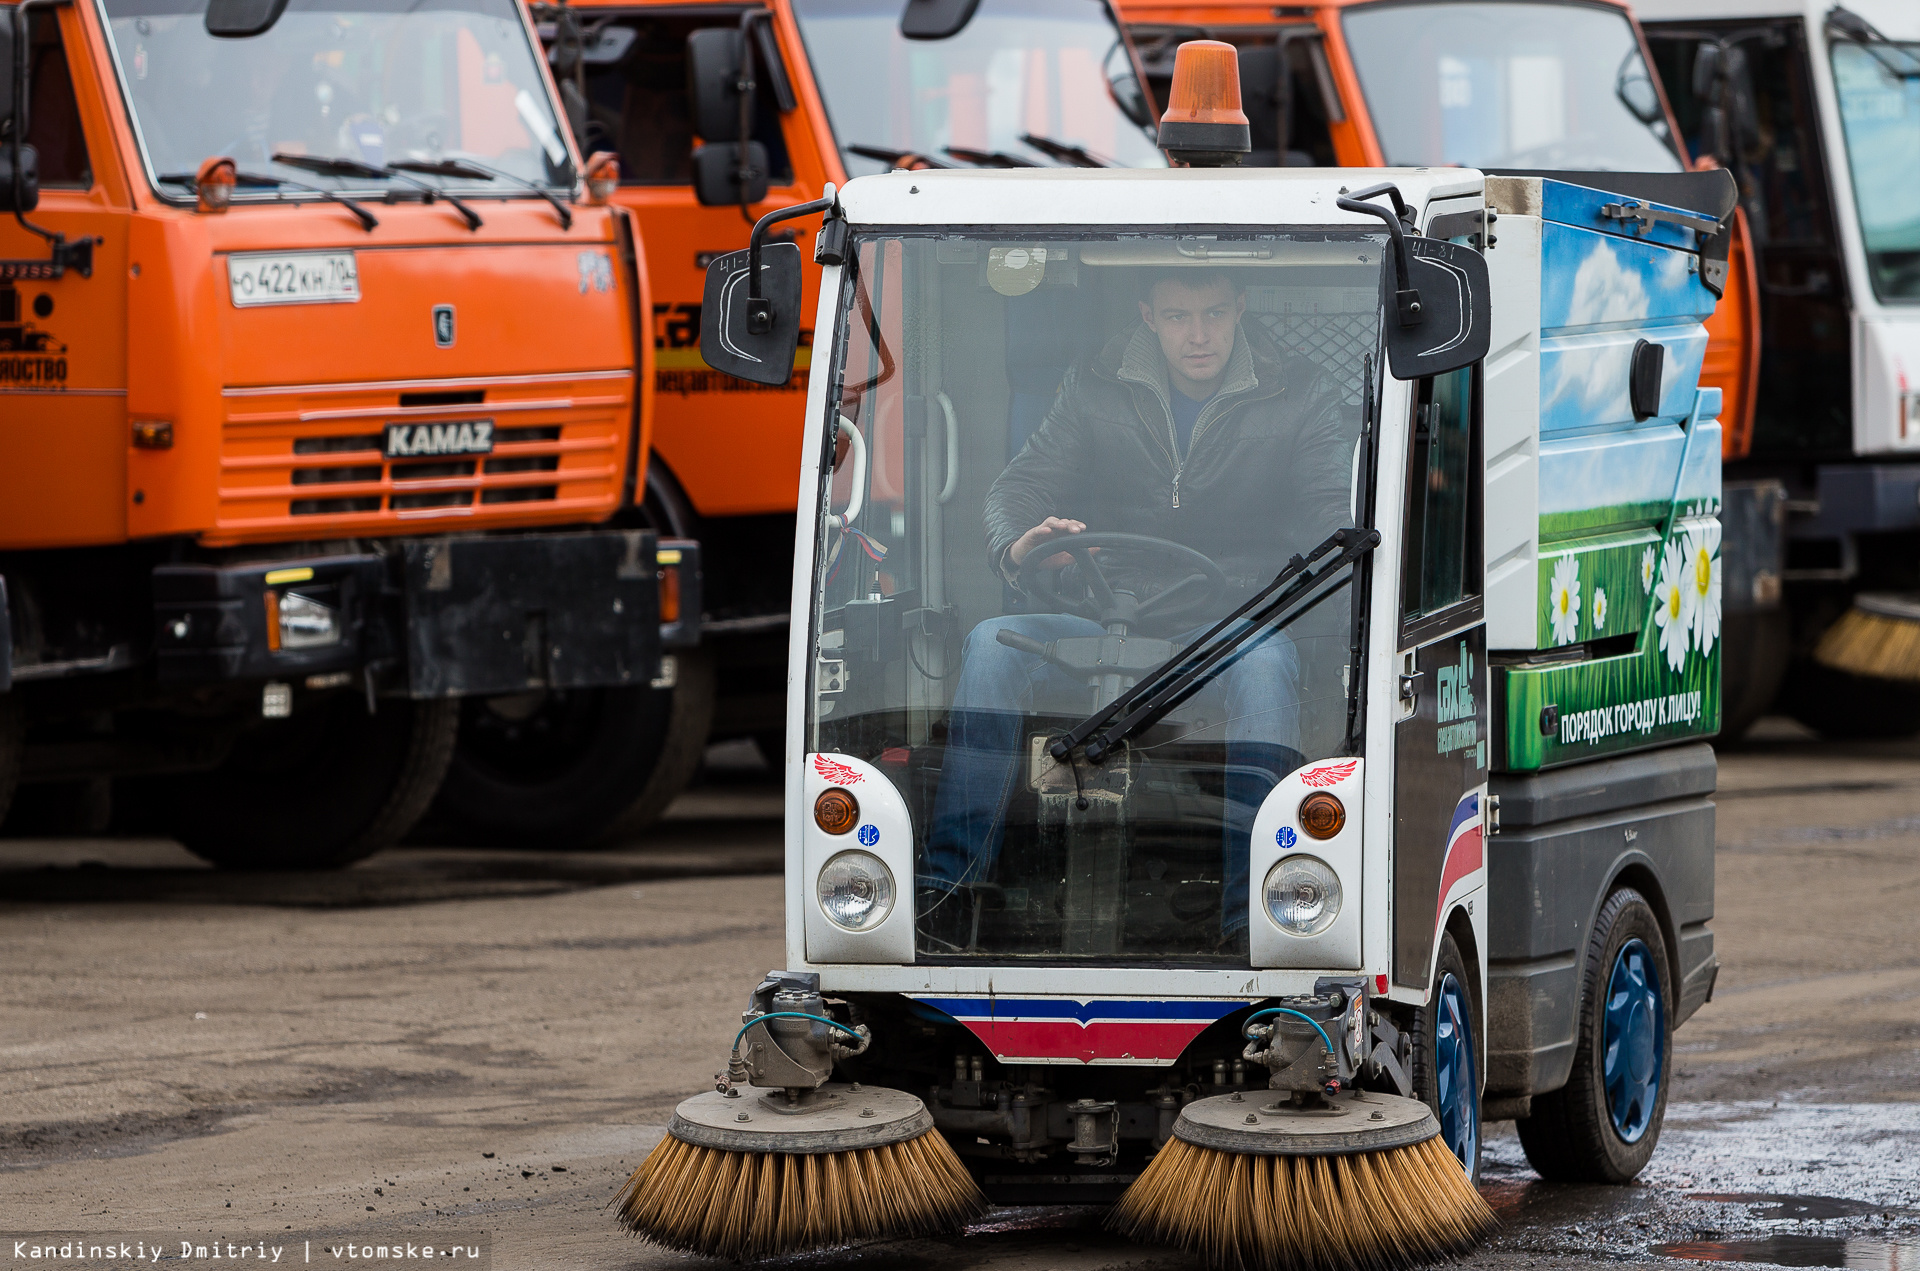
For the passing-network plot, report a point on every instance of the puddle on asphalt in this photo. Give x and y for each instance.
(1802, 1251)
(1770, 1207)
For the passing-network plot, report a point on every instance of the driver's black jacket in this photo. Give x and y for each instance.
(1269, 471)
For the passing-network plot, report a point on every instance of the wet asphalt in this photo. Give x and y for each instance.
(444, 1041)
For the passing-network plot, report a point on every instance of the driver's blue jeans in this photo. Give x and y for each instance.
(986, 751)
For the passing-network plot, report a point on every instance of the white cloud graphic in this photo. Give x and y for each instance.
(1606, 292)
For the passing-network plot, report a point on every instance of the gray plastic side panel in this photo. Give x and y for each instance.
(1605, 785)
(1547, 881)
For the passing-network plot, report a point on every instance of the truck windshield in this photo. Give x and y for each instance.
(1056, 70)
(369, 81)
(1195, 402)
(1879, 91)
(1552, 86)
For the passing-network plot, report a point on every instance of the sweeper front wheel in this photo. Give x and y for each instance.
(1446, 1056)
(1602, 1125)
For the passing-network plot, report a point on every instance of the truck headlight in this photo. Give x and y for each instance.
(1302, 895)
(856, 891)
(305, 623)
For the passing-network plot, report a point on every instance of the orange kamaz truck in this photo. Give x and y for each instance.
(322, 426)
(834, 89)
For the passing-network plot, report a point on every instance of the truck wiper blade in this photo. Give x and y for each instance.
(473, 168)
(992, 158)
(334, 167)
(884, 155)
(1074, 155)
(263, 181)
(1291, 595)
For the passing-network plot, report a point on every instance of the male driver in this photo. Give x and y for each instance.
(1191, 426)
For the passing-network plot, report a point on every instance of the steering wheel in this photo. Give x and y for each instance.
(1202, 584)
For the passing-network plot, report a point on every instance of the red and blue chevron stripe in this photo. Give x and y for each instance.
(1465, 851)
(1072, 1030)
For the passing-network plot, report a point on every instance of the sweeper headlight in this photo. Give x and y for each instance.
(856, 891)
(1302, 895)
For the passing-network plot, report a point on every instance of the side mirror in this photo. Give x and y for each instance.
(238, 19)
(713, 82)
(1706, 69)
(1454, 323)
(1439, 301)
(25, 195)
(748, 339)
(718, 180)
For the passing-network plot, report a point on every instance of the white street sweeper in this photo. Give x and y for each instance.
(1254, 636)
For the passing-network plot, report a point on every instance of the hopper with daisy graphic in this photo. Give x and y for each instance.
(1603, 531)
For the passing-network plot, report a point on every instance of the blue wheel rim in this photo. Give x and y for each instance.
(1631, 1032)
(1456, 1087)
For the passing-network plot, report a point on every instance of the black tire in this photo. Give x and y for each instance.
(9, 751)
(576, 768)
(321, 790)
(1571, 1136)
(1843, 707)
(1438, 1083)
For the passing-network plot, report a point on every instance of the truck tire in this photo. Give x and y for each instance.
(582, 768)
(1603, 1124)
(321, 790)
(9, 751)
(1446, 1055)
(1844, 707)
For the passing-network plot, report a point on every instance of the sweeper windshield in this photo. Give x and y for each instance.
(1059, 460)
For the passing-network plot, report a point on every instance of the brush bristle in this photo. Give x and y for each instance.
(1873, 644)
(757, 1204)
(1375, 1211)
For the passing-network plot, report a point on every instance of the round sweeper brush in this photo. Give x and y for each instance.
(1362, 1181)
(759, 1173)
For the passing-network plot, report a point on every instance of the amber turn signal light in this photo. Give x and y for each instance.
(1322, 815)
(835, 811)
(1204, 126)
(214, 183)
(602, 175)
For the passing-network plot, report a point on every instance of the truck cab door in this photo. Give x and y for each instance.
(1441, 739)
(732, 445)
(63, 351)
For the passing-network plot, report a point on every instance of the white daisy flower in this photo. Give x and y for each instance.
(1672, 612)
(1702, 583)
(1646, 571)
(1599, 609)
(1563, 600)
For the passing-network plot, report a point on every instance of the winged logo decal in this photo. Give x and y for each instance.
(1330, 775)
(838, 773)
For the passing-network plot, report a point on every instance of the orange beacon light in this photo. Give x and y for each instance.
(1204, 126)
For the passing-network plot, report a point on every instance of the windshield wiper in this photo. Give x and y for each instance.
(1294, 592)
(474, 170)
(885, 155)
(1074, 155)
(264, 181)
(992, 158)
(372, 172)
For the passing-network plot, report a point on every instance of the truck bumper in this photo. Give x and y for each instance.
(1566, 839)
(430, 618)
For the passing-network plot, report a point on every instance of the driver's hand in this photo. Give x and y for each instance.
(1047, 530)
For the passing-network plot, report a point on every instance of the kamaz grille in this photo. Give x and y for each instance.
(295, 462)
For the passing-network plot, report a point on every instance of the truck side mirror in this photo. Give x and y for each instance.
(23, 195)
(747, 338)
(1706, 69)
(718, 179)
(238, 19)
(1454, 323)
(713, 82)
